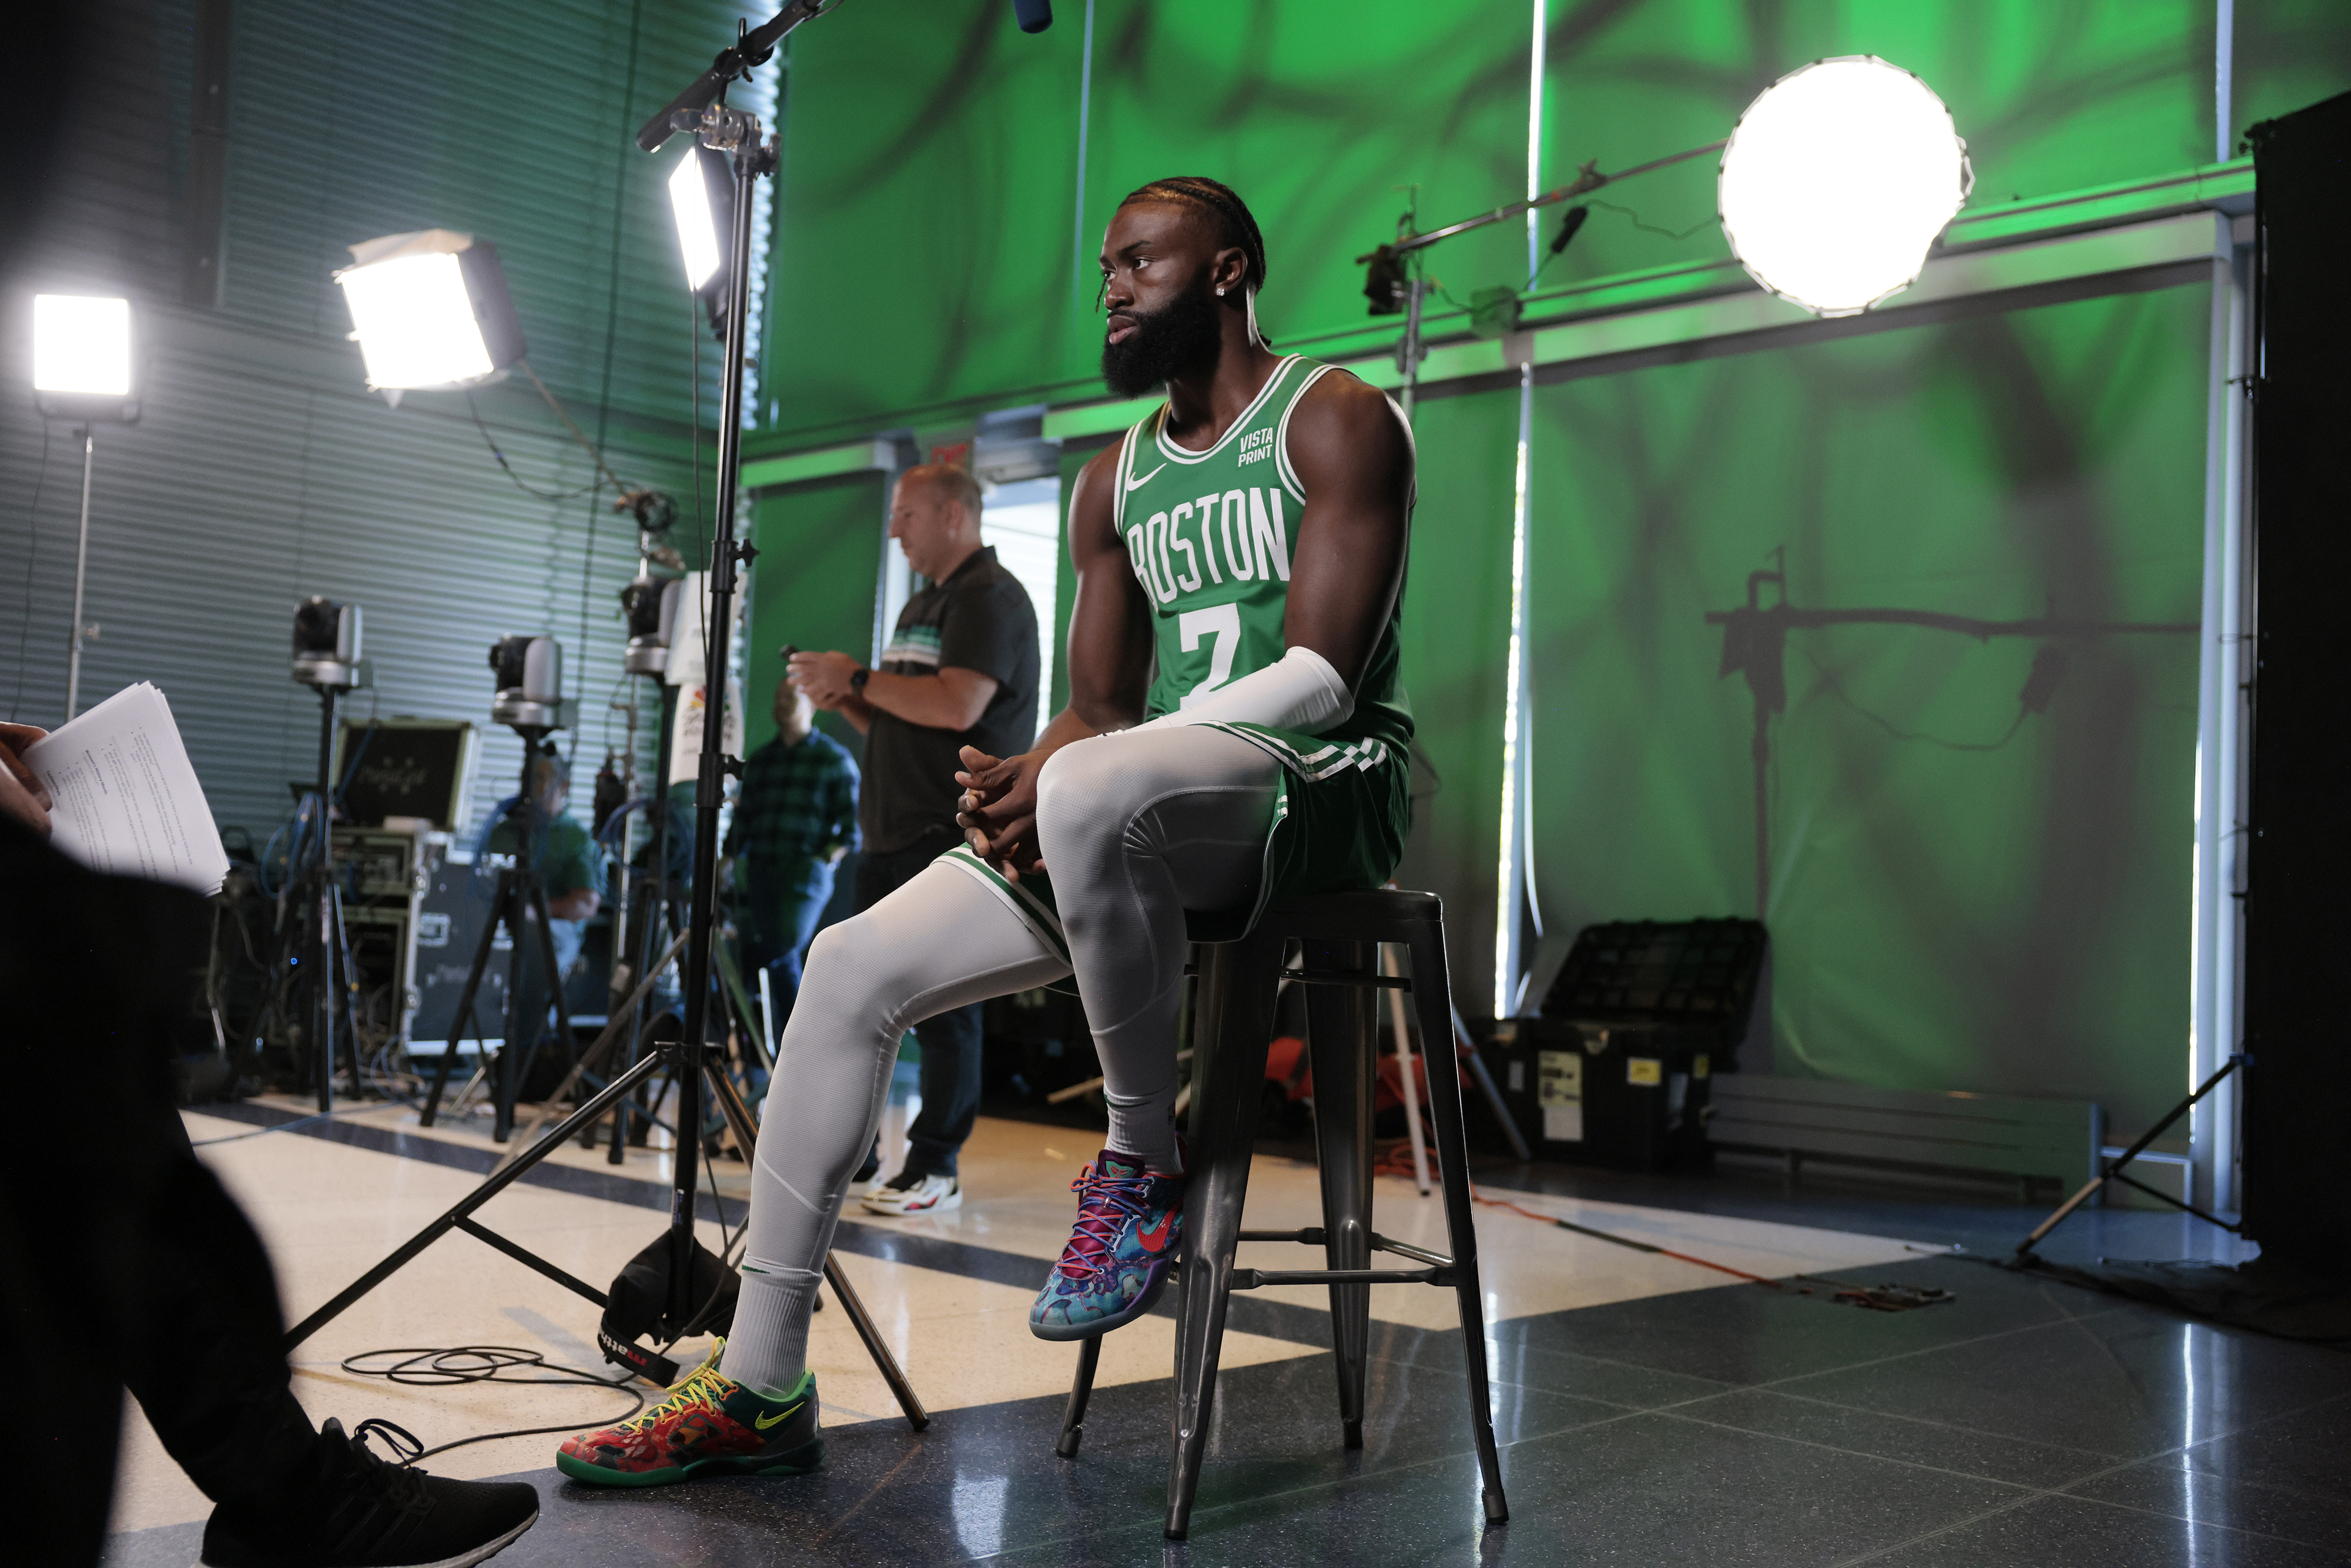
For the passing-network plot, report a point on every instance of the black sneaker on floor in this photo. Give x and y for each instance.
(359, 1511)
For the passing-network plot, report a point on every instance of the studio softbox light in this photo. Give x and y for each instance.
(1837, 181)
(430, 309)
(81, 358)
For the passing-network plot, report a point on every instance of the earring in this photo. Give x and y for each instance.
(1220, 291)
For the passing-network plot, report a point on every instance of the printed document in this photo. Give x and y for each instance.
(124, 797)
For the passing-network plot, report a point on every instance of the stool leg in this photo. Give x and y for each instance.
(1081, 1388)
(1430, 995)
(1233, 1025)
(1344, 1037)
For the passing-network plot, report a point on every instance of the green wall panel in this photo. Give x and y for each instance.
(813, 585)
(1960, 898)
(930, 177)
(925, 260)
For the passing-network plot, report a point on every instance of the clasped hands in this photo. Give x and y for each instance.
(998, 810)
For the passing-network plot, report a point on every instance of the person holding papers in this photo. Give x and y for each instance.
(122, 1240)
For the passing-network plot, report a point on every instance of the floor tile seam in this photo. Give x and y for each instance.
(1469, 1452)
(2068, 1493)
(1925, 1421)
(1854, 1453)
(2183, 1449)
(1929, 1350)
(1722, 1387)
(1494, 1381)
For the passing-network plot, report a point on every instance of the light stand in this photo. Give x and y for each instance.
(82, 371)
(81, 573)
(2112, 1170)
(736, 133)
(690, 1061)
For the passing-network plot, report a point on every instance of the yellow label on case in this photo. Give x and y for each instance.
(1645, 1069)
(1703, 1067)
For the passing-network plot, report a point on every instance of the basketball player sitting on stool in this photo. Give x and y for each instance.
(1247, 541)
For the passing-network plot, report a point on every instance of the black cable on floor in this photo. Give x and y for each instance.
(486, 1363)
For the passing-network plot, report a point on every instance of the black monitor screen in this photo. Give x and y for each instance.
(402, 771)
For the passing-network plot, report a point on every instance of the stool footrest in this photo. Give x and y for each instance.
(1253, 1278)
(1315, 1236)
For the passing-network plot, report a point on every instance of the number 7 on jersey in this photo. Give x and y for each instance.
(1222, 622)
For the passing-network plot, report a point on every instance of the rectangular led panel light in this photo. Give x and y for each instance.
(430, 309)
(81, 345)
(690, 198)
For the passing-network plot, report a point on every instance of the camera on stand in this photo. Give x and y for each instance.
(312, 979)
(327, 647)
(651, 606)
(530, 699)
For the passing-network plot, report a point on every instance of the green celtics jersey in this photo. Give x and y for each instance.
(1210, 536)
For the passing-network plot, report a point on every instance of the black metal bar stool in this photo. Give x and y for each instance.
(1338, 933)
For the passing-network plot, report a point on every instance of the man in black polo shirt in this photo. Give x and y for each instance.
(961, 670)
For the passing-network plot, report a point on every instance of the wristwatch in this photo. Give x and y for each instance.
(857, 681)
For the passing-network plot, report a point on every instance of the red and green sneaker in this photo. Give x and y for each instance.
(709, 1424)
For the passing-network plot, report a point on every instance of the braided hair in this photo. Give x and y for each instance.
(1235, 226)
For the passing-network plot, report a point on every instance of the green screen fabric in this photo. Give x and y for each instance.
(2049, 97)
(932, 256)
(1456, 632)
(1962, 895)
(813, 586)
(930, 177)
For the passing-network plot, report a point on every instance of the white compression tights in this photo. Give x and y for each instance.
(1136, 827)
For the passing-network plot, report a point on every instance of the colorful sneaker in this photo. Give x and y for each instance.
(1130, 1224)
(710, 1424)
(909, 1194)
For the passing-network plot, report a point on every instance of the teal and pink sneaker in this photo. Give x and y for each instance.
(1121, 1253)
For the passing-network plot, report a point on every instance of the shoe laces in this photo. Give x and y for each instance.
(392, 1481)
(700, 1387)
(1104, 1204)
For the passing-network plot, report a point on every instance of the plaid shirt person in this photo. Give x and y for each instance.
(798, 807)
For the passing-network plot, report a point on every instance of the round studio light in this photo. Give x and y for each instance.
(1837, 180)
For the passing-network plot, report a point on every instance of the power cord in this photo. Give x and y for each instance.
(484, 1364)
(521, 484)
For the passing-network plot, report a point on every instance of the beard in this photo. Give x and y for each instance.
(1179, 338)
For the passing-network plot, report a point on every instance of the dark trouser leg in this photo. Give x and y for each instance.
(795, 921)
(205, 1357)
(951, 1052)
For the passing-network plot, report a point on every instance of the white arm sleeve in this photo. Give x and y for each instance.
(1298, 691)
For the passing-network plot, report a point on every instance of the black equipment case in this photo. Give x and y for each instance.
(1616, 1069)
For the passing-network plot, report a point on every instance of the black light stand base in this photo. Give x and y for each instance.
(2113, 1170)
(460, 1217)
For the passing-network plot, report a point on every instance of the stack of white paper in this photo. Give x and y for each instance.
(124, 797)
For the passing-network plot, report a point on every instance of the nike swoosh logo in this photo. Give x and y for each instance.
(1134, 485)
(764, 1422)
(1154, 1239)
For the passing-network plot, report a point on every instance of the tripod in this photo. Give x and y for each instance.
(315, 952)
(519, 905)
(2112, 1170)
(687, 1063)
